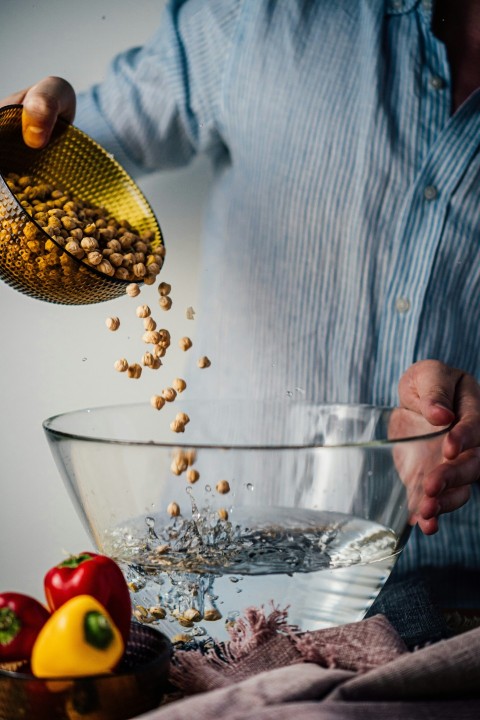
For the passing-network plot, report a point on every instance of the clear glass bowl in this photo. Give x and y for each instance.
(313, 515)
(77, 164)
(136, 687)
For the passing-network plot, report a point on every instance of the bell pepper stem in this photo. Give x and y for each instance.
(10, 625)
(98, 631)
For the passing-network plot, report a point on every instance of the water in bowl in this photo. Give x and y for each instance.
(326, 567)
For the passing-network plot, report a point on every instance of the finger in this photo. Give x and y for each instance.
(445, 503)
(428, 527)
(466, 432)
(429, 387)
(43, 103)
(464, 470)
(14, 99)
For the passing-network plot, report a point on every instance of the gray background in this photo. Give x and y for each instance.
(56, 358)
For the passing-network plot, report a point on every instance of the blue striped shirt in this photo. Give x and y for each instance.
(341, 239)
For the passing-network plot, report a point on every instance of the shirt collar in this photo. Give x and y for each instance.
(399, 7)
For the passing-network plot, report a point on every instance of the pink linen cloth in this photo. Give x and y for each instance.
(358, 671)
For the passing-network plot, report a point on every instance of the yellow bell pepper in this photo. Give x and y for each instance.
(79, 639)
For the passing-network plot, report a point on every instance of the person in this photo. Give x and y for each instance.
(340, 248)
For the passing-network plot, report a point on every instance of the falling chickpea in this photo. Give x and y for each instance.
(177, 426)
(165, 302)
(223, 487)
(173, 509)
(179, 464)
(134, 371)
(133, 290)
(179, 385)
(203, 362)
(169, 394)
(121, 365)
(149, 324)
(193, 476)
(157, 402)
(164, 289)
(112, 323)
(223, 514)
(143, 311)
(183, 418)
(185, 343)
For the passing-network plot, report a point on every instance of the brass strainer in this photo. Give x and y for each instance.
(77, 164)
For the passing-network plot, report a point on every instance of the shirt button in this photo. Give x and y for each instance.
(402, 305)
(437, 82)
(430, 192)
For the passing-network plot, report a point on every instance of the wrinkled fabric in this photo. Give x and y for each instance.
(362, 670)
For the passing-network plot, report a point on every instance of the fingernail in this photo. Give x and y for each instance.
(34, 136)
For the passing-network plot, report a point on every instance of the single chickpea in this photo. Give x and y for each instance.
(149, 324)
(190, 313)
(203, 362)
(212, 614)
(94, 257)
(151, 337)
(143, 311)
(182, 417)
(169, 394)
(133, 290)
(106, 268)
(148, 359)
(121, 365)
(157, 402)
(134, 371)
(179, 385)
(112, 323)
(164, 289)
(89, 244)
(177, 426)
(185, 343)
(173, 509)
(139, 270)
(193, 476)
(223, 514)
(223, 487)
(165, 302)
(192, 614)
(179, 465)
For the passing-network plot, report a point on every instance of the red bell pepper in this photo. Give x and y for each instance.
(21, 619)
(95, 575)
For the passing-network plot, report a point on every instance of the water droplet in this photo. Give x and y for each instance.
(208, 488)
(84, 359)
(233, 579)
(249, 486)
(289, 393)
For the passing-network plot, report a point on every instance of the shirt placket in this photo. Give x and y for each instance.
(445, 154)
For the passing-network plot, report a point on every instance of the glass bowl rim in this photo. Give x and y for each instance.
(181, 443)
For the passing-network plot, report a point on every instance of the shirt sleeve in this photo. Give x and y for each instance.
(160, 104)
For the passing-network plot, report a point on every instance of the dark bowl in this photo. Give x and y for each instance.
(136, 687)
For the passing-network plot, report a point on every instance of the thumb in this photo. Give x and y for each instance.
(43, 103)
(429, 388)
